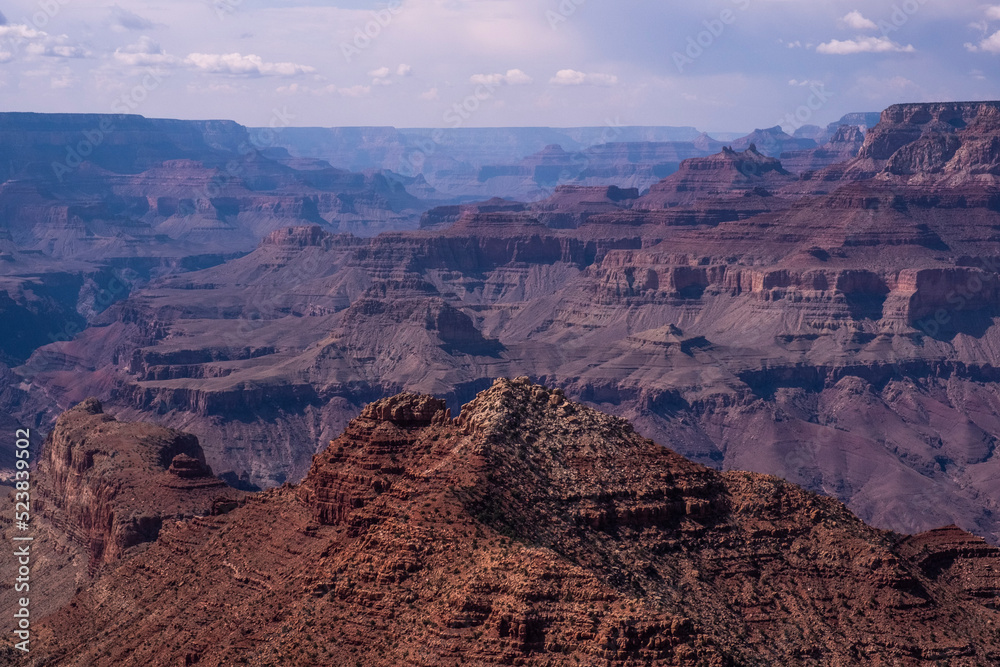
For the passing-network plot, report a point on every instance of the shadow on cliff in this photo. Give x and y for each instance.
(974, 323)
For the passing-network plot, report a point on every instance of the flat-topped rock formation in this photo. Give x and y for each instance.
(110, 484)
(104, 489)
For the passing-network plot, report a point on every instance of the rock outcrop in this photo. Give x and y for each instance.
(110, 485)
(920, 138)
(730, 173)
(842, 147)
(532, 531)
(772, 141)
(103, 490)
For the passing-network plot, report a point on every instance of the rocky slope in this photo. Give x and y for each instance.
(104, 489)
(921, 139)
(95, 206)
(147, 187)
(531, 531)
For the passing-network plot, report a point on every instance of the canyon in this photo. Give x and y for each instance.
(529, 530)
(830, 322)
(833, 327)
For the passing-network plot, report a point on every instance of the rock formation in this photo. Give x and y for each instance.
(729, 174)
(104, 489)
(836, 329)
(772, 141)
(842, 147)
(531, 531)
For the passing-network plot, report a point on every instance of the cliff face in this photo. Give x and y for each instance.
(149, 187)
(534, 531)
(965, 151)
(920, 138)
(842, 147)
(118, 143)
(729, 173)
(110, 485)
(103, 490)
(902, 124)
(843, 340)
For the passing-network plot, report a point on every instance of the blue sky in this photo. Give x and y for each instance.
(719, 65)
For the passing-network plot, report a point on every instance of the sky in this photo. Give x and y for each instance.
(723, 65)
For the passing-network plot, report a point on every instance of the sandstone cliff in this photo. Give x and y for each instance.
(532, 531)
(109, 484)
(102, 490)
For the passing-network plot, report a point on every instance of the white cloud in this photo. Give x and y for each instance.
(248, 65)
(516, 77)
(857, 21)
(863, 45)
(143, 53)
(56, 50)
(380, 76)
(993, 12)
(990, 45)
(430, 95)
(40, 43)
(355, 91)
(295, 88)
(62, 81)
(329, 89)
(571, 77)
(513, 77)
(201, 88)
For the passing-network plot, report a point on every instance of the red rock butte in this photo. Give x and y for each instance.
(531, 530)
